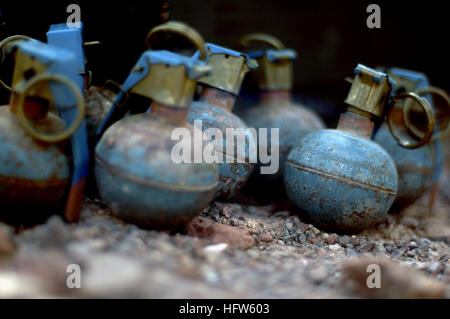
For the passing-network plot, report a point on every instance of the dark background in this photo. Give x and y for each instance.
(331, 37)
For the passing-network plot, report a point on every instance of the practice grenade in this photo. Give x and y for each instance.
(276, 109)
(36, 174)
(217, 98)
(137, 174)
(340, 179)
(420, 168)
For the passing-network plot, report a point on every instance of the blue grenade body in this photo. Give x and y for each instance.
(292, 121)
(341, 181)
(276, 110)
(419, 168)
(232, 175)
(214, 111)
(35, 174)
(135, 172)
(32, 174)
(139, 181)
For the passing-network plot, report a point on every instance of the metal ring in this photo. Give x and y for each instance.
(412, 128)
(29, 128)
(181, 29)
(3, 43)
(261, 37)
(430, 120)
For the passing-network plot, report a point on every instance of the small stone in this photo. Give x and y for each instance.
(318, 274)
(236, 237)
(412, 245)
(410, 222)
(434, 267)
(344, 240)
(217, 248)
(251, 224)
(301, 238)
(379, 248)
(219, 233)
(6, 240)
(197, 227)
(367, 247)
(266, 238)
(334, 247)
(331, 240)
(425, 242)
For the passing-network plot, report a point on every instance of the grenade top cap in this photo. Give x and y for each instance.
(369, 92)
(275, 68)
(35, 58)
(167, 77)
(228, 68)
(275, 64)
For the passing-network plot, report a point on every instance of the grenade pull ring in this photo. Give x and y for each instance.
(44, 78)
(407, 108)
(3, 44)
(261, 37)
(430, 120)
(182, 29)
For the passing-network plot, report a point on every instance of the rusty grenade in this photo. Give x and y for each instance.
(137, 176)
(276, 108)
(217, 98)
(37, 175)
(418, 169)
(340, 179)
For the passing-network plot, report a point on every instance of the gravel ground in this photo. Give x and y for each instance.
(231, 251)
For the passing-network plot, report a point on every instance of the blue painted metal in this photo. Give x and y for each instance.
(135, 173)
(217, 49)
(274, 55)
(292, 119)
(419, 168)
(71, 39)
(35, 174)
(232, 176)
(341, 181)
(293, 122)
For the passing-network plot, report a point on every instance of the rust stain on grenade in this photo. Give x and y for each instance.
(32, 174)
(138, 179)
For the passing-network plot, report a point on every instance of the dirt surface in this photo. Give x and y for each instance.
(231, 251)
